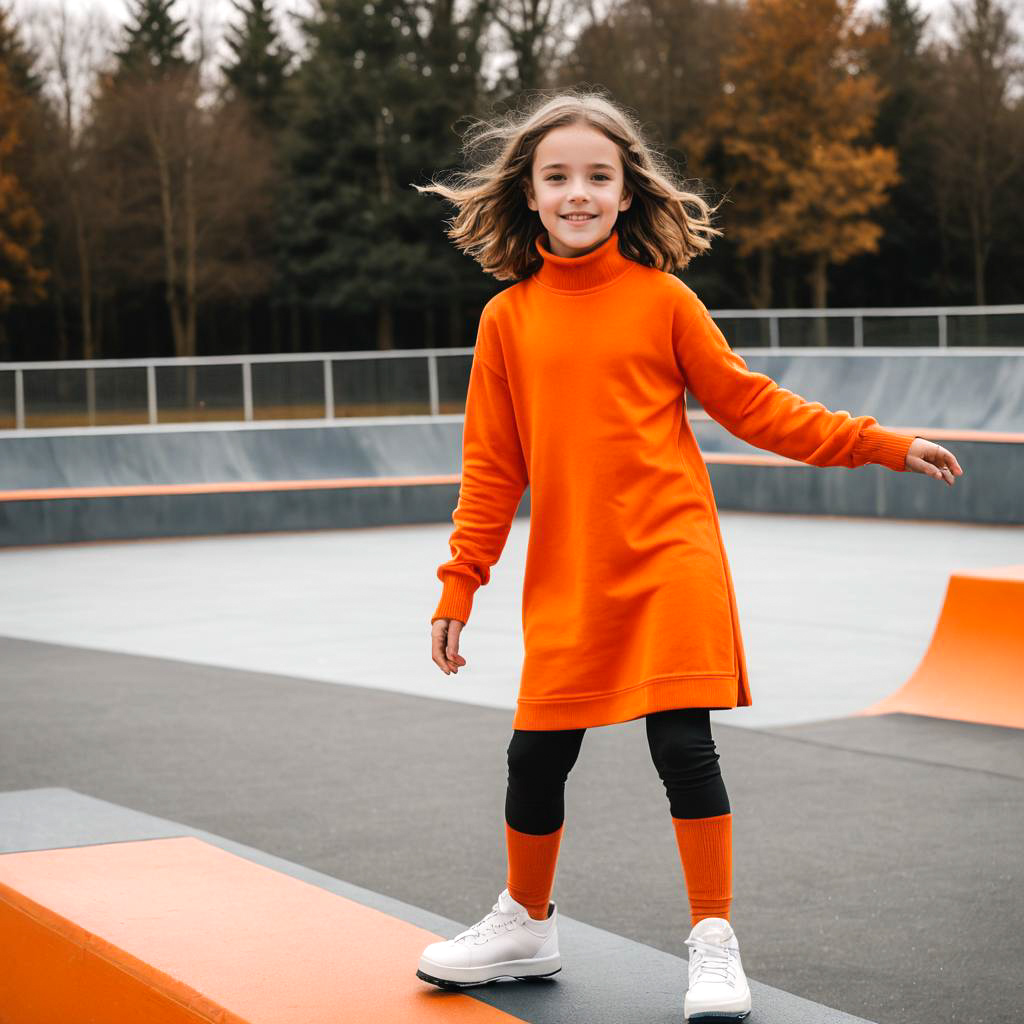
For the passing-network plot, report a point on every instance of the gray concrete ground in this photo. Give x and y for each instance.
(277, 690)
(835, 612)
(876, 860)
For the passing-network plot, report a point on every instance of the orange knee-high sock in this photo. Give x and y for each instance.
(531, 868)
(705, 848)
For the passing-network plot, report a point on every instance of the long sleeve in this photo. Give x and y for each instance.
(753, 407)
(494, 477)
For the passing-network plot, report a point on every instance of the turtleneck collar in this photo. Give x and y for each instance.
(595, 269)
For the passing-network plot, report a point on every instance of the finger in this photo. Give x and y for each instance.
(945, 459)
(945, 462)
(437, 653)
(951, 462)
(451, 647)
(454, 633)
(928, 469)
(439, 640)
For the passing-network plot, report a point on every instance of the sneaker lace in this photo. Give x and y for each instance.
(713, 962)
(494, 921)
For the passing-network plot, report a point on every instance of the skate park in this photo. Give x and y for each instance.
(220, 718)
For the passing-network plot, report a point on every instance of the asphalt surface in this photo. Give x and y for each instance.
(876, 859)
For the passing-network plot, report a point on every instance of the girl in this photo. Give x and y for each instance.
(577, 389)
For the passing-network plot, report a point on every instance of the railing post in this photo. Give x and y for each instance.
(773, 330)
(19, 399)
(247, 388)
(90, 395)
(435, 402)
(943, 330)
(858, 330)
(151, 393)
(328, 390)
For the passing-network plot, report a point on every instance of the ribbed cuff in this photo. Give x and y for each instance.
(705, 848)
(884, 447)
(456, 597)
(532, 861)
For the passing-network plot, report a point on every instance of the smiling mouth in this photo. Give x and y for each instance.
(578, 217)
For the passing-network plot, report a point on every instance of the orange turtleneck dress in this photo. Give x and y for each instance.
(577, 390)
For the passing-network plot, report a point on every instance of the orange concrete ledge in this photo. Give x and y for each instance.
(165, 931)
(973, 670)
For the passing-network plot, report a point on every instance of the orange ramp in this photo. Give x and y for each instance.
(973, 670)
(164, 931)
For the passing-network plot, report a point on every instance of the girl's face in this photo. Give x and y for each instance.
(576, 170)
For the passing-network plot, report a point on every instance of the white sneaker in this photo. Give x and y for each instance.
(718, 987)
(507, 943)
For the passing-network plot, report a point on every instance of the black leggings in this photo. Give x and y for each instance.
(681, 747)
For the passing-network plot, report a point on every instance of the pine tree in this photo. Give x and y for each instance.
(257, 69)
(153, 40)
(904, 270)
(18, 58)
(897, 60)
(354, 236)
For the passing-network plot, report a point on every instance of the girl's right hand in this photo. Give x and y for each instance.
(444, 638)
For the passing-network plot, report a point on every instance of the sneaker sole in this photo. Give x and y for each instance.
(718, 1015)
(469, 977)
(741, 1012)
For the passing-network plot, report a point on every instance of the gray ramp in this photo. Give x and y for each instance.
(958, 390)
(218, 453)
(417, 458)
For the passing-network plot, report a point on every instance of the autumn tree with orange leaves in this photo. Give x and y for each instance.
(796, 109)
(21, 227)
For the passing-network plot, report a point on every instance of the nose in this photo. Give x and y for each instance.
(578, 192)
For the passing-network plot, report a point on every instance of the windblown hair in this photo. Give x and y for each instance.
(665, 226)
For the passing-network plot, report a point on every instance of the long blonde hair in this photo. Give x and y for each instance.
(665, 226)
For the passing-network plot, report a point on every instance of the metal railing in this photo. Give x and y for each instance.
(329, 385)
(932, 327)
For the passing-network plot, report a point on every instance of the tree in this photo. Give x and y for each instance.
(796, 107)
(981, 146)
(254, 90)
(19, 60)
(72, 48)
(23, 274)
(908, 117)
(21, 278)
(451, 48)
(534, 33)
(152, 41)
(182, 177)
(259, 60)
(353, 234)
(656, 56)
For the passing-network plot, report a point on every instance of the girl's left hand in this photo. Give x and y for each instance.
(928, 457)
